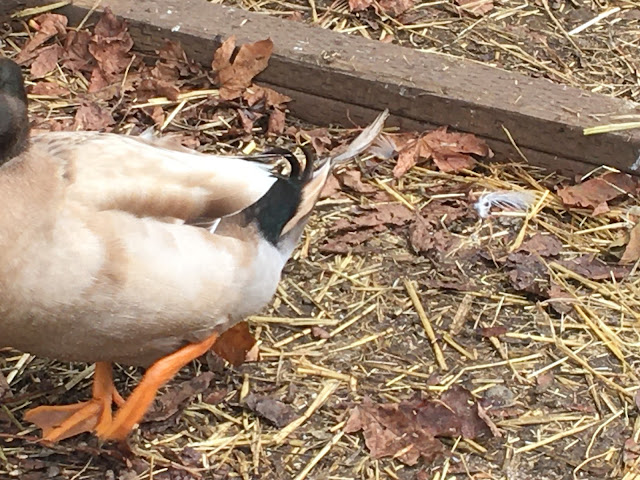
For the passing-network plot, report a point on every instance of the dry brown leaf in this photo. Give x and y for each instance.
(98, 81)
(47, 26)
(442, 140)
(247, 119)
(423, 239)
(631, 453)
(77, 57)
(544, 381)
(352, 179)
(172, 401)
(276, 412)
(390, 214)
(600, 209)
(359, 5)
(276, 122)
(331, 187)
(216, 396)
(451, 163)
(235, 343)
(476, 7)
(91, 116)
(426, 233)
(348, 241)
(350, 234)
(157, 115)
(543, 245)
(271, 98)
(450, 151)
(407, 159)
(46, 61)
(222, 56)
(632, 252)
(595, 269)
(596, 191)
(482, 413)
(154, 87)
(408, 430)
(319, 138)
(492, 331)
(173, 62)
(396, 7)
(559, 299)
(236, 74)
(527, 273)
(319, 332)
(110, 46)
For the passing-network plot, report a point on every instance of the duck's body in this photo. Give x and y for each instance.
(117, 249)
(100, 256)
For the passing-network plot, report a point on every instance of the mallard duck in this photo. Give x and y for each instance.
(118, 249)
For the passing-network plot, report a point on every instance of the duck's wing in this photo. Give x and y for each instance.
(116, 172)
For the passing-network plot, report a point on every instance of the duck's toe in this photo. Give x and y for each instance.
(64, 421)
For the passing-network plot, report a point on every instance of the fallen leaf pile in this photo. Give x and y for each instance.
(107, 73)
(408, 430)
(427, 233)
(428, 229)
(450, 151)
(103, 55)
(528, 267)
(363, 224)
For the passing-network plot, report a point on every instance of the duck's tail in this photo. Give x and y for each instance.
(310, 183)
(281, 214)
(276, 207)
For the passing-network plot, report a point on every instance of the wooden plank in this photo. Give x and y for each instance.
(546, 120)
(321, 110)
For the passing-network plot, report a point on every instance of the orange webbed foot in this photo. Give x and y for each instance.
(65, 421)
(135, 407)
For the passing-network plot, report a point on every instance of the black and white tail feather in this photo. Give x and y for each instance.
(283, 211)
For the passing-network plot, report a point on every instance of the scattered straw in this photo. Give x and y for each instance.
(558, 374)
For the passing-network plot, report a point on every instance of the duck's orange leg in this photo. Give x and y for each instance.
(64, 421)
(154, 378)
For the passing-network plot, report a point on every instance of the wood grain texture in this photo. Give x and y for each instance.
(330, 74)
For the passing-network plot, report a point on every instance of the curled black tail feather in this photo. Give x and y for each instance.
(281, 202)
(294, 163)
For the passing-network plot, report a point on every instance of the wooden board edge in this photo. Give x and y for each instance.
(623, 149)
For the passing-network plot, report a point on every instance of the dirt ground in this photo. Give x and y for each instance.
(518, 330)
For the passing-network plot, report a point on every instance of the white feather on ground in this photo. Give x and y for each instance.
(504, 199)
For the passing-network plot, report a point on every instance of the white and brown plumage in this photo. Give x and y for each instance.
(103, 257)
